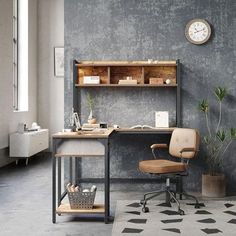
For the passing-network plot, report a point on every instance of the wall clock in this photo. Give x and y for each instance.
(198, 31)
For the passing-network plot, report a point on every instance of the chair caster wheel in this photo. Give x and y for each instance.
(145, 209)
(181, 212)
(142, 202)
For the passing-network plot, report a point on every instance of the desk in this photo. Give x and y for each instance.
(82, 138)
(85, 137)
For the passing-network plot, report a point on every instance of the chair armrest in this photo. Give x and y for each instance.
(159, 145)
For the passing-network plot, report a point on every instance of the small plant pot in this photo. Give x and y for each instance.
(213, 185)
(92, 121)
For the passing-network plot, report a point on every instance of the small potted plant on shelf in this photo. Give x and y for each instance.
(90, 101)
(217, 142)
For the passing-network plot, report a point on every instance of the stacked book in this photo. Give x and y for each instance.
(89, 127)
(128, 81)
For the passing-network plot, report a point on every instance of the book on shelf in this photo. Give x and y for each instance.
(128, 81)
(142, 127)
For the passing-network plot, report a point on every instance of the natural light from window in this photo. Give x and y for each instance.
(21, 61)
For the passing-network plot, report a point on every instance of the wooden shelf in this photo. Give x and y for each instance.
(65, 209)
(125, 63)
(126, 85)
(111, 73)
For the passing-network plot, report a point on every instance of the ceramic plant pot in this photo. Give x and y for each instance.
(213, 185)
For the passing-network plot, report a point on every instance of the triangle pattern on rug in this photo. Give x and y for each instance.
(228, 205)
(134, 204)
(138, 221)
(133, 212)
(171, 221)
(230, 212)
(132, 230)
(174, 230)
(207, 221)
(169, 212)
(232, 221)
(164, 204)
(218, 218)
(203, 212)
(211, 231)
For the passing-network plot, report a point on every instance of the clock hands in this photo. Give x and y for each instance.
(198, 30)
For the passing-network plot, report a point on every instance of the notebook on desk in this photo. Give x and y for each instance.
(142, 127)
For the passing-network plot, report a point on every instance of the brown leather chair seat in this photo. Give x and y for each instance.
(161, 166)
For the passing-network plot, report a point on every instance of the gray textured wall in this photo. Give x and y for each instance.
(138, 30)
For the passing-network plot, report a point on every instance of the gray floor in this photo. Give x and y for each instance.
(25, 209)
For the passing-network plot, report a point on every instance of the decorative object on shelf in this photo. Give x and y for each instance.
(90, 101)
(161, 119)
(92, 79)
(168, 81)
(198, 31)
(75, 121)
(217, 141)
(156, 80)
(59, 61)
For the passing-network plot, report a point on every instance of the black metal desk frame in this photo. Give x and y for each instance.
(56, 168)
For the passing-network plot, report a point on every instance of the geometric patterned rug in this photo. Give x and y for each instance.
(215, 218)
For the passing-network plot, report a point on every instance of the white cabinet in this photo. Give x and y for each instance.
(28, 143)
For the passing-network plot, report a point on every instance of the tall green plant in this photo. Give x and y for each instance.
(217, 139)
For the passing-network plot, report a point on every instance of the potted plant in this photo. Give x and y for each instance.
(217, 141)
(90, 101)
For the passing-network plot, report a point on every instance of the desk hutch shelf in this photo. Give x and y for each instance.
(142, 72)
(110, 72)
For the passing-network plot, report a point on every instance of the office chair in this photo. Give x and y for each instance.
(184, 144)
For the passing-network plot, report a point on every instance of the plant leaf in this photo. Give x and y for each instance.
(220, 93)
(206, 139)
(233, 133)
(221, 135)
(203, 106)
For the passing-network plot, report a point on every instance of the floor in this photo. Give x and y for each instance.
(25, 209)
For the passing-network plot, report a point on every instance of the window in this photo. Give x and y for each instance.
(20, 55)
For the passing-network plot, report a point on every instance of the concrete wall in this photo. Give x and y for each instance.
(138, 30)
(50, 88)
(9, 119)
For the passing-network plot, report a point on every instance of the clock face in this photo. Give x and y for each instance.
(198, 31)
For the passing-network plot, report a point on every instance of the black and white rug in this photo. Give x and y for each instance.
(215, 218)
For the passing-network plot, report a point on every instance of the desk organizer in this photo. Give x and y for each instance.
(81, 200)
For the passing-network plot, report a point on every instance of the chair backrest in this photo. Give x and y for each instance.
(184, 138)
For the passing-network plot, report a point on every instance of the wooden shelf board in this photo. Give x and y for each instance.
(126, 85)
(125, 63)
(65, 209)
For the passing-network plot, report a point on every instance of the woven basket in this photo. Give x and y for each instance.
(81, 200)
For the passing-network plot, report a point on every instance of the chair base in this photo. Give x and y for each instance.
(170, 198)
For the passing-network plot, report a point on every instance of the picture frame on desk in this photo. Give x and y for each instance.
(59, 61)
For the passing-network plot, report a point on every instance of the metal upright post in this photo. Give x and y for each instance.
(54, 181)
(75, 91)
(178, 96)
(107, 181)
(59, 181)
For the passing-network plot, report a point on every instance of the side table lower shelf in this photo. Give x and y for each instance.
(64, 208)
